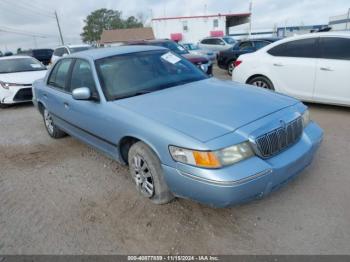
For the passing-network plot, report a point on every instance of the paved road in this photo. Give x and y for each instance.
(62, 197)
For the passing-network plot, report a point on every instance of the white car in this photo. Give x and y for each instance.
(217, 44)
(17, 74)
(313, 67)
(67, 50)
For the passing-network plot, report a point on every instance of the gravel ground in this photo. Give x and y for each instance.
(62, 197)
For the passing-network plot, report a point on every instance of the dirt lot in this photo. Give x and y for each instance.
(62, 197)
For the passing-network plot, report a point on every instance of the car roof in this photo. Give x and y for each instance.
(99, 53)
(14, 57)
(73, 46)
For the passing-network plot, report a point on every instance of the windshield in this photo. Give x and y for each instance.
(229, 40)
(20, 65)
(79, 49)
(178, 49)
(138, 73)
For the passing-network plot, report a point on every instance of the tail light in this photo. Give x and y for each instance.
(237, 63)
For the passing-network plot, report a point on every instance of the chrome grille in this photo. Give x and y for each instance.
(279, 139)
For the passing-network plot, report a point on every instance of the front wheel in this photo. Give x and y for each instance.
(51, 128)
(262, 82)
(147, 174)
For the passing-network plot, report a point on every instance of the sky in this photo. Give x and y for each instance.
(36, 17)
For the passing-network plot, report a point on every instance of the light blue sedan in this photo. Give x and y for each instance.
(181, 133)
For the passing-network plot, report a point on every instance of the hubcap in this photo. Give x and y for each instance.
(261, 84)
(230, 68)
(48, 121)
(142, 176)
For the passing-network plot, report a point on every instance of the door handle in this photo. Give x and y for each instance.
(278, 64)
(66, 105)
(326, 69)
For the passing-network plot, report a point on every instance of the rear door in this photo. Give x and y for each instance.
(333, 71)
(293, 67)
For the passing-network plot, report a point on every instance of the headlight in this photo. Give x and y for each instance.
(7, 85)
(212, 159)
(306, 118)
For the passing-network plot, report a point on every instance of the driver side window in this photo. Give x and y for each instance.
(82, 76)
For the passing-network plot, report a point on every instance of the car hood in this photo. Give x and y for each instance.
(23, 77)
(207, 109)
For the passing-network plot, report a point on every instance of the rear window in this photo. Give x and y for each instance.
(304, 48)
(335, 48)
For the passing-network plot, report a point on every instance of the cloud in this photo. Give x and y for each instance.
(35, 16)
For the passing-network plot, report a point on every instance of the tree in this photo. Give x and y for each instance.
(105, 19)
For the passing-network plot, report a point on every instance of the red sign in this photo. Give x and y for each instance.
(216, 33)
(176, 37)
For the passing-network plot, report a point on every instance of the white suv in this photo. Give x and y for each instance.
(66, 50)
(313, 67)
(217, 44)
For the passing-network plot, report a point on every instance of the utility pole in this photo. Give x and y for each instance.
(59, 28)
(250, 18)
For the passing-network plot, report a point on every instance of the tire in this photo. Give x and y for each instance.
(230, 67)
(262, 82)
(50, 126)
(147, 174)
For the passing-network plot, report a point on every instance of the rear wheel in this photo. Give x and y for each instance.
(262, 82)
(231, 66)
(51, 128)
(147, 174)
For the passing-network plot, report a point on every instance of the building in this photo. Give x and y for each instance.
(194, 28)
(119, 36)
(340, 22)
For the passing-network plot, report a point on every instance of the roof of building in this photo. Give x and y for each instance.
(202, 16)
(125, 35)
(99, 53)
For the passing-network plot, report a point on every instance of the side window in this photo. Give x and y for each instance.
(59, 74)
(335, 48)
(218, 41)
(260, 44)
(206, 41)
(58, 52)
(304, 48)
(82, 76)
(245, 46)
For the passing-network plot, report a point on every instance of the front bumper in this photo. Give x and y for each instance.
(18, 94)
(247, 180)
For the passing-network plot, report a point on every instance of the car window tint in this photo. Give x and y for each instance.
(58, 52)
(245, 46)
(260, 44)
(304, 48)
(59, 74)
(335, 48)
(207, 41)
(82, 76)
(218, 41)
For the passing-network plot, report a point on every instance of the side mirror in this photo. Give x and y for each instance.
(82, 93)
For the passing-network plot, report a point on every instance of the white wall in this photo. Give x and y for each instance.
(198, 28)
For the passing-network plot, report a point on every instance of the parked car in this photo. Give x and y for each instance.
(227, 58)
(200, 61)
(313, 67)
(43, 55)
(217, 44)
(181, 133)
(8, 53)
(66, 50)
(195, 50)
(17, 74)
